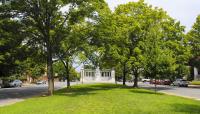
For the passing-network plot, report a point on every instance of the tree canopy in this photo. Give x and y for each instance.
(136, 38)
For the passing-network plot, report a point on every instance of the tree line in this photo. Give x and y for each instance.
(136, 39)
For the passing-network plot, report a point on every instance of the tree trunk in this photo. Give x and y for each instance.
(155, 86)
(66, 65)
(124, 74)
(50, 70)
(68, 78)
(135, 80)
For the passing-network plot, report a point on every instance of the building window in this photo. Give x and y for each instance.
(198, 70)
(89, 74)
(86, 74)
(102, 74)
(105, 74)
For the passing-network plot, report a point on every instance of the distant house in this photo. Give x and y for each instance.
(196, 73)
(195, 67)
(5, 1)
(1, 82)
(97, 75)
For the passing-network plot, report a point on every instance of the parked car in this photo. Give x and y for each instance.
(145, 80)
(15, 83)
(120, 80)
(180, 83)
(167, 82)
(131, 80)
(158, 82)
(41, 82)
(6, 83)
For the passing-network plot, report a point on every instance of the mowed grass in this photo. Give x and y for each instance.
(195, 83)
(104, 99)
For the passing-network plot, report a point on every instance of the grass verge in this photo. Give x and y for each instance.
(195, 83)
(104, 99)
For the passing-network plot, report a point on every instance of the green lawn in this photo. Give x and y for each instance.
(195, 83)
(104, 99)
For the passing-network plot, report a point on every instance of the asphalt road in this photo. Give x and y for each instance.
(12, 95)
(188, 92)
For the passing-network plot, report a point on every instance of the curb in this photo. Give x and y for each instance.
(167, 93)
(194, 86)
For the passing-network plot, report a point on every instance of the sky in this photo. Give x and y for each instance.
(184, 11)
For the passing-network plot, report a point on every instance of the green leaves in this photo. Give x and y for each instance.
(194, 37)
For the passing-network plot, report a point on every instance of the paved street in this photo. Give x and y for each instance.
(188, 92)
(13, 95)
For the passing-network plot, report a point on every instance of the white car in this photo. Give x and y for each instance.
(41, 82)
(15, 83)
(180, 83)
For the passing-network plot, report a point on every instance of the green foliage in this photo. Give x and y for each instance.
(11, 50)
(193, 37)
(59, 69)
(32, 68)
(136, 38)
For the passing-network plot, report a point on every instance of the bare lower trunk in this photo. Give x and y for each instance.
(124, 74)
(68, 78)
(50, 71)
(136, 80)
(155, 87)
(66, 65)
(115, 80)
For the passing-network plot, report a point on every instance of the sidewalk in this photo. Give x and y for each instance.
(10, 96)
(27, 84)
(10, 101)
(194, 86)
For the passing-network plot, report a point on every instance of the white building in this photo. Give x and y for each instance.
(1, 82)
(97, 75)
(196, 74)
(5, 1)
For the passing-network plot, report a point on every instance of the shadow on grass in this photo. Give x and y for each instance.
(94, 88)
(86, 89)
(159, 87)
(142, 91)
(186, 108)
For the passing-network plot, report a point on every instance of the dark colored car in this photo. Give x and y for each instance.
(167, 82)
(161, 82)
(158, 82)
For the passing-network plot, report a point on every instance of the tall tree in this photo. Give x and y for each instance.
(194, 37)
(194, 41)
(44, 22)
(132, 30)
(135, 36)
(77, 36)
